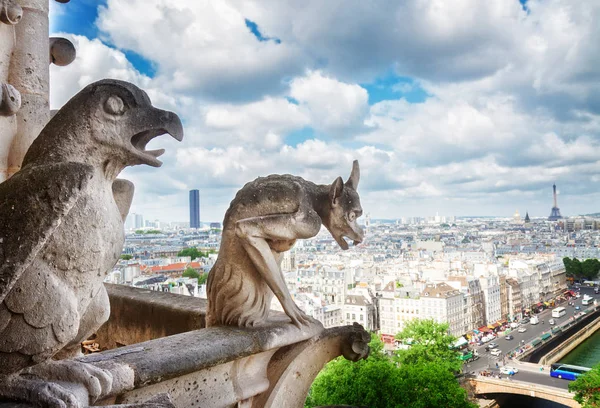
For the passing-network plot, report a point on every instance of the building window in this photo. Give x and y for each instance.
(353, 316)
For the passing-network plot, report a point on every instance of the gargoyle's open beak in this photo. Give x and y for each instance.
(344, 244)
(155, 123)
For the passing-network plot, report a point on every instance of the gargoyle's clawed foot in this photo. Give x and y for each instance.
(299, 319)
(38, 393)
(97, 382)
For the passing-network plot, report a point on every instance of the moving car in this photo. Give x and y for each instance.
(508, 370)
(525, 320)
(493, 345)
(522, 329)
(509, 337)
(496, 352)
(551, 321)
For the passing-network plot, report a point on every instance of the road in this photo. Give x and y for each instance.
(527, 372)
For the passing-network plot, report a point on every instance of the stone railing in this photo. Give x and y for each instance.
(166, 351)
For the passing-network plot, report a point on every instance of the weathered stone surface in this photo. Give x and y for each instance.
(223, 366)
(62, 51)
(138, 315)
(265, 218)
(10, 12)
(10, 100)
(61, 230)
(293, 369)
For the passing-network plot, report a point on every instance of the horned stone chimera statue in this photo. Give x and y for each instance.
(61, 232)
(265, 219)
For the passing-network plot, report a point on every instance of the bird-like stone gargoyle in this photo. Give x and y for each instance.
(265, 219)
(61, 232)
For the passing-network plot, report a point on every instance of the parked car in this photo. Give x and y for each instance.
(514, 325)
(522, 329)
(525, 320)
(496, 352)
(509, 337)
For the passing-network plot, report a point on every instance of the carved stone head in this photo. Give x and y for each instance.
(345, 209)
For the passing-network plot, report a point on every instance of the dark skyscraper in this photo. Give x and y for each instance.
(194, 209)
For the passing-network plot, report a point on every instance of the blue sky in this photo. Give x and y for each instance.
(463, 109)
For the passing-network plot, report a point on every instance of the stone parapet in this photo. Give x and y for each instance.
(272, 365)
(139, 315)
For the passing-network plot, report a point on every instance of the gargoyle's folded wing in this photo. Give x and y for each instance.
(33, 203)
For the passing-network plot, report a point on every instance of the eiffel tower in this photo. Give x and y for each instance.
(555, 214)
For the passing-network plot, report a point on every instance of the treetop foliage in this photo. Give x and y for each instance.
(587, 269)
(419, 377)
(148, 231)
(587, 388)
(193, 252)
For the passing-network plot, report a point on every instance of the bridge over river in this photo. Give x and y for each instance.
(542, 347)
(492, 387)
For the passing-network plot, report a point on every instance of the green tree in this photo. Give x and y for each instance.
(590, 268)
(380, 381)
(192, 252)
(568, 268)
(587, 388)
(431, 385)
(191, 273)
(430, 343)
(576, 268)
(202, 279)
(126, 257)
(373, 382)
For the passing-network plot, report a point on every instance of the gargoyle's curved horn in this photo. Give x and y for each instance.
(354, 176)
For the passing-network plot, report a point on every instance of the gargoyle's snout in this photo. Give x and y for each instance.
(154, 122)
(172, 124)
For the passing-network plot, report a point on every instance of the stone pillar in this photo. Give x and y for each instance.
(29, 74)
(10, 15)
(25, 52)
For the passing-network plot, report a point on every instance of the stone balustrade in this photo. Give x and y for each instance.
(268, 366)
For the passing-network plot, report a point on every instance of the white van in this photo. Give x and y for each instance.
(534, 320)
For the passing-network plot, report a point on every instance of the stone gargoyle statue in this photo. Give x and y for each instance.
(265, 219)
(61, 232)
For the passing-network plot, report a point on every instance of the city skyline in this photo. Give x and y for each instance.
(467, 108)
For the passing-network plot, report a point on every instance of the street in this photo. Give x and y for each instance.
(527, 372)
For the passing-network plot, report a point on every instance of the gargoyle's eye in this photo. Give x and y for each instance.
(114, 105)
(351, 216)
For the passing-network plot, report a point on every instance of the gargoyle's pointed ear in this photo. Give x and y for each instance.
(354, 176)
(335, 191)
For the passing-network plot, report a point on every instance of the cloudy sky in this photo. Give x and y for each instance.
(463, 107)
